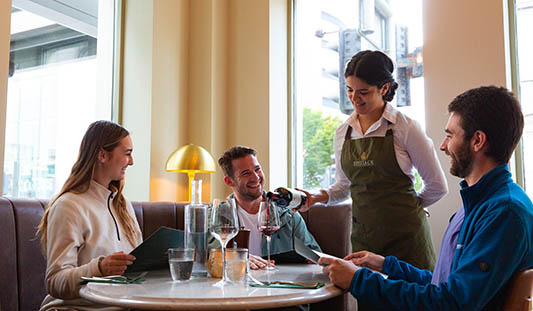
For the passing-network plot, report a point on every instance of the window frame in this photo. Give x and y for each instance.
(517, 159)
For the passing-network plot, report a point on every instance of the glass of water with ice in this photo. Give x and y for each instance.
(180, 261)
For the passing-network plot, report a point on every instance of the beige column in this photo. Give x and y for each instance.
(136, 104)
(201, 72)
(170, 97)
(464, 47)
(207, 119)
(248, 82)
(5, 31)
(155, 94)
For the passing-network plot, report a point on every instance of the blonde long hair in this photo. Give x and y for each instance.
(101, 135)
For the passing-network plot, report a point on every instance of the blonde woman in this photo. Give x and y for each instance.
(89, 228)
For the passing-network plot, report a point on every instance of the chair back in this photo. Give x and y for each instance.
(520, 295)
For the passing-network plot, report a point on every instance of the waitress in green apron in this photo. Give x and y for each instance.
(376, 150)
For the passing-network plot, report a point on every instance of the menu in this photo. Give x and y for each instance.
(151, 254)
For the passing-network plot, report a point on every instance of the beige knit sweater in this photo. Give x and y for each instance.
(81, 229)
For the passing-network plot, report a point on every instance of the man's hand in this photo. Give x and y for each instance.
(367, 259)
(257, 263)
(340, 271)
(115, 264)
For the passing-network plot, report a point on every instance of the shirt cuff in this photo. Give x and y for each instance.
(322, 191)
(353, 283)
(390, 262)
(96, 266)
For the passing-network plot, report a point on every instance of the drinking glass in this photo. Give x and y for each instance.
(180, 261)
(268, 223)
(223, 225)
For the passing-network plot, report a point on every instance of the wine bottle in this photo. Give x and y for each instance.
(287, 197)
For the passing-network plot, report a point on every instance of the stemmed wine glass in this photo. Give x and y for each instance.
(223, 226)
(268, 223)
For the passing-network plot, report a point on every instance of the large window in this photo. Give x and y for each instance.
(524, 23)
(61, 80)
(326, 35)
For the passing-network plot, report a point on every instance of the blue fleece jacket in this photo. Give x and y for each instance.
(494, 243)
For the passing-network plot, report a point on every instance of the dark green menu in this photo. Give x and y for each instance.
(151, 254)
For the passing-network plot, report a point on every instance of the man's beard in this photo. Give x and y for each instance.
(462, 161)
(249, 196)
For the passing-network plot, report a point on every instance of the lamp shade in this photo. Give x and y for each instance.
(190, 159)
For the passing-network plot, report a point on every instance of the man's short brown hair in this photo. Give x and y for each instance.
(496, 112)
(231, 154)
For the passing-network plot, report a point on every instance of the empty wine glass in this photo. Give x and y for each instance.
(268, 223)
(223, 225)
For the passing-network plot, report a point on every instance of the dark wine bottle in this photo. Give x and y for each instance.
(287, 197)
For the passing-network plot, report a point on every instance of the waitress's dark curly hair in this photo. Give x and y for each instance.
(375, 68)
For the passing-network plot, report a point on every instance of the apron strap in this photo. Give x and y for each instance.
(348, 135)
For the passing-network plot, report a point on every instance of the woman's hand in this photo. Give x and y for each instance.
(312, 199)
(367, 259)
(115, 264)
(257, 263)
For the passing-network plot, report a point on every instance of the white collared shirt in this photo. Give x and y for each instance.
(413, 148)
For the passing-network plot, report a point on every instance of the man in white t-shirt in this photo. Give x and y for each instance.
(243, 173)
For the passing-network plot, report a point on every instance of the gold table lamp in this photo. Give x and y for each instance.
(190, 159)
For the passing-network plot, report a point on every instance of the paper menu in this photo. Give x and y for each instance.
(314, 255)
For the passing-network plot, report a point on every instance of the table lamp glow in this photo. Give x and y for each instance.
(190, 159)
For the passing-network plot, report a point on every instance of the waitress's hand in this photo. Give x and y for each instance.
(367, 259)
(312, 199)
(115, 264)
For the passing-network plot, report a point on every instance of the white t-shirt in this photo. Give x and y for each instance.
(249, 221)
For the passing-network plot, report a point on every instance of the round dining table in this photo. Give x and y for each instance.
(159, 292)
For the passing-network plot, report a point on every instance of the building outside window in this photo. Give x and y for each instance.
(326, 35)
(524, 18)
(61, 80)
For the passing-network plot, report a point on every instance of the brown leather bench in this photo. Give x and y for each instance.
(22, 266)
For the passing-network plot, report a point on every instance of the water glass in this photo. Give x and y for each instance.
(223, 226)
(236, 264)
(180, 261)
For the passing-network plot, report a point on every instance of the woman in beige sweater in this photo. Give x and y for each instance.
(89, 228)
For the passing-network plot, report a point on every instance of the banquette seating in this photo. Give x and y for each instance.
(22, 266)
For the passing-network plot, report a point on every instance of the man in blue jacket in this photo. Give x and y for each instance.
(494, 231)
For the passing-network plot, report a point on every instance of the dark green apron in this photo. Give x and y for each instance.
(387, 216)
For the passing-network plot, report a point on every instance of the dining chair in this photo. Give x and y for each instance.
(520, 295)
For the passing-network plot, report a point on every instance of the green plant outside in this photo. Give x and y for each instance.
(318, 132)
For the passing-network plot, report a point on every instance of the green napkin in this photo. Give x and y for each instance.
(112, 279)
(285, 284)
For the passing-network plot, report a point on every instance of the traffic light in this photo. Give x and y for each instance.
(403, 93)
(349, 45)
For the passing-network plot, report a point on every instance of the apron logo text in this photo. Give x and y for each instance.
(363, 162)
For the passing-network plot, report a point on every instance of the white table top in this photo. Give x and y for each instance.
(158, 292)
